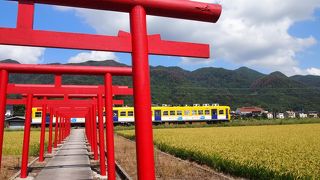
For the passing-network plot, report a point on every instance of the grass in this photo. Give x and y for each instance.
(247, 122)
(255, 152)
(13, 142)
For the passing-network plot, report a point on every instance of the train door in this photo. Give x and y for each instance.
(47, 118)
(115, 116)
(157, 115)
(227, 114)
(214, 114)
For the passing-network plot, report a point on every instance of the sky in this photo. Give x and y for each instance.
(265, 35)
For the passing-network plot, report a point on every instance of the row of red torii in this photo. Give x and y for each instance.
(138, 42)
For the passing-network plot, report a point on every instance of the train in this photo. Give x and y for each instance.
(160, 114)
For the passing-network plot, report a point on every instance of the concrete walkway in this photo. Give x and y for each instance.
(70, 162)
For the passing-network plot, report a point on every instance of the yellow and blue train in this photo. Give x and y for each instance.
(160, 114)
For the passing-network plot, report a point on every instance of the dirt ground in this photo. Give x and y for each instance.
(167, 166)
(10, 165)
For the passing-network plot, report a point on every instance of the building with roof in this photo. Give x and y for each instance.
(15, 122)
(249, 110)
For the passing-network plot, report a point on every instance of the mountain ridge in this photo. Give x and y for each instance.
(239, 87)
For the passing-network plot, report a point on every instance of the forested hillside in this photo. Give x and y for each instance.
(240, 87)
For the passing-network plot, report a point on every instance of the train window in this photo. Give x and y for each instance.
(214, 112)
(157, 112)
(172, 113)
(38, 114)
(130, 113)
(123, 113)
(194, 112)
(165, 113)
(179, 113)
(221, 112)
(187, 113)
(207, 112)
(200, 112)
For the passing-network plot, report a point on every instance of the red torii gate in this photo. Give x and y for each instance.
(59, 89)
(88, 91)
(140, 45)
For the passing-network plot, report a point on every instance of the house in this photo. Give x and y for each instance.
(15, 122)
(313, 114)
(280, 115)
(302, 115)
(250, 110)
(269, 115)
(290, 114)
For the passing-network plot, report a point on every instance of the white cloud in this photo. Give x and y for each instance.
(250, 32)
(93, 55)
(314, 71)
(63, 8)
(25, 55)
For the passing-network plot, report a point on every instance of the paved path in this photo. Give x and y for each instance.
(70, 162)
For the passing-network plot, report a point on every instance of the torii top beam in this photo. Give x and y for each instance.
(69, 90)
(69, 102)
(65, 69)
(24, 34)
(166, 8)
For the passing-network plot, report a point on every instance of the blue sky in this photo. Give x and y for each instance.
(302, 31)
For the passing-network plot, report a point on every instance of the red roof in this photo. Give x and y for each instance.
(250, 109)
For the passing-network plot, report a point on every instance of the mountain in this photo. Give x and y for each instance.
(309, 80)
(239, 87)
(219, 77)
(275, 80)
(9, 61)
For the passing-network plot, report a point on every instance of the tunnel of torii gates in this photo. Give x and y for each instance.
(137, 42)
(65, 109)
(40, 95)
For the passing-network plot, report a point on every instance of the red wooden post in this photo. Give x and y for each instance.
(90, 129)
(101, 137)
(55, 144)
(57, 80)
(43, 132)
(64, 128)
(25, 14)
(50, 132)
(26, 138)
(60, 129)
(109, 127)
(3, 99)
(94, 132)
(85, 127)
(69, 126)
(142, 97)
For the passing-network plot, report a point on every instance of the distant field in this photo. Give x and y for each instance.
(244, 122)
(13, 142)
(257, 152)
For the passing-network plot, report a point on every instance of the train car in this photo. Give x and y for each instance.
(160, 114)
(176, 113)
(36, 115)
